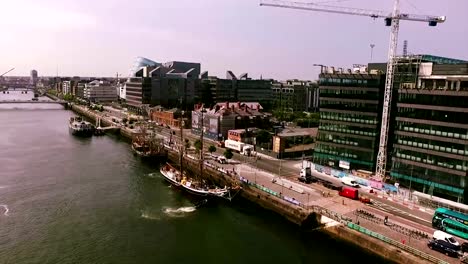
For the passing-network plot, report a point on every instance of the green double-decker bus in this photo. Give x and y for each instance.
(451, 222)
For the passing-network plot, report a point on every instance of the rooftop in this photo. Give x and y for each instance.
(298, 132)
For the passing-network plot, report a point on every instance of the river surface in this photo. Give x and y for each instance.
(72, 200)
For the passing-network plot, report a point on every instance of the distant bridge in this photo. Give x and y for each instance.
(62, 102)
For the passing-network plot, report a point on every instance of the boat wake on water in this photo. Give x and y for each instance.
(153, 175)
(5, 207)
(182, 211)
(150, 216)
(179, 212)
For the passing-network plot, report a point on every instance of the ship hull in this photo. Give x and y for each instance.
(169, 178)
(81, 132)
(147, 154)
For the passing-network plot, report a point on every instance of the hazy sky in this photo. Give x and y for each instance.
(103, 37)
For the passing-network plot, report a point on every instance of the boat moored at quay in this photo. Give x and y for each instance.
(78, 127)
(193, 186)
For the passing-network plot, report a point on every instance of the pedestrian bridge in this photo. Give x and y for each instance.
(62, 102)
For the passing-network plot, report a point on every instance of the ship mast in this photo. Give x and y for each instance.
(182, 145)
(202, 111)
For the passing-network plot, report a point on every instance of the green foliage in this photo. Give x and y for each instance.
(212, 149)
(302, 119)
(307, 122)
(68, 97)
(228, 154)
(263, 136)
(197, 145)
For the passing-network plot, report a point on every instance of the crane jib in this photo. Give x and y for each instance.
(392, 20)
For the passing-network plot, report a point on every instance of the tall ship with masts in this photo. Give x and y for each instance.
(192, 184)
(146, 143)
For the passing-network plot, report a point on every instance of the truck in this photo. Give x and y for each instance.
(350, 182)
(240, 147)
(305, 175)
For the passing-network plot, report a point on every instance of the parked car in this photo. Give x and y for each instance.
(439, 235)
(444, 247)
(221, 159)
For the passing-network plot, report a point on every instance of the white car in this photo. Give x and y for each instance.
(221, 159)
(349, 181)
(439, 235)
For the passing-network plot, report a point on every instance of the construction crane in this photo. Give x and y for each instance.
(393, 20)
(7, 72)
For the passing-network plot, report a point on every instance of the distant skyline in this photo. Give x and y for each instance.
(101, 38)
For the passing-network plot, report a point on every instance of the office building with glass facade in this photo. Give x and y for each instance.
(430, 152)
(350, 114)
(294, 95)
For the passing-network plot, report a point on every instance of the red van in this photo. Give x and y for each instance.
(349, 192)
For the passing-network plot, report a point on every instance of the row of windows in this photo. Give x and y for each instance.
(348, 153)
(432, 160)
(433, 132)
(343, 154)
(429, 99)
(452, 150)
(345, 107)
(349, 118)
(344, 140)
(363, 93)
(335, 102)
(429, 175)
(434, 115)
(346, 130)
(453, 132)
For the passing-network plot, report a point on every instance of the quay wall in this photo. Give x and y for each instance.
(105, 121)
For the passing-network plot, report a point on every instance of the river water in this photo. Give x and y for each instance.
(71, 200)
